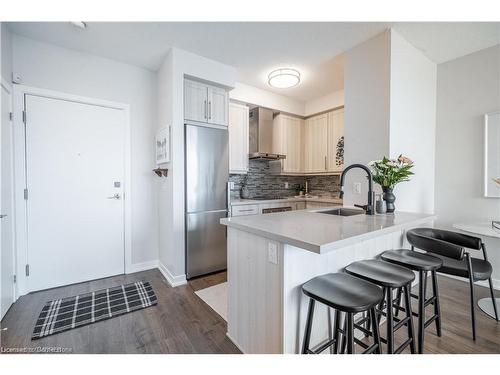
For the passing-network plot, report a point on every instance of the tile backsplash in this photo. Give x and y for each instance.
(261, 181)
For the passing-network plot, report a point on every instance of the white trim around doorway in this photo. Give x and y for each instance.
(21, 238)
(8, 87)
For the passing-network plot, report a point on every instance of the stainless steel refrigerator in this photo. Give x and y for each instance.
(207, 196)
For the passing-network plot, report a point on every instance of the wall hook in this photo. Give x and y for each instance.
(161, 172)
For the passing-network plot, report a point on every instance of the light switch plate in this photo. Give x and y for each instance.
(286, 185)
(231, 185)
(272, 253)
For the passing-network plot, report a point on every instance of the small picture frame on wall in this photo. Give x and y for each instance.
(162, 146)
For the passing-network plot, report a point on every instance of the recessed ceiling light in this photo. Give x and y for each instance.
(283, 78)
(79, 24)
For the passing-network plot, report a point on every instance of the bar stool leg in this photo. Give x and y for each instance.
(350, 334)
(437, 308)
(398, 301)
(493, 298)
(368, 323)
(344, 336)
(422, 276)
(381, 305)
(307, 333)
(389, 322)
(411, 329)
(336, 327)
(376, 334)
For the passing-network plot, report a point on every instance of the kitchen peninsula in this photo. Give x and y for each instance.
(271, 256)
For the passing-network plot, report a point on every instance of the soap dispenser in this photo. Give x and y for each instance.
(380, 205)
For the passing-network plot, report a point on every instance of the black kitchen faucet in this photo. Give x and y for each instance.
(369, 207)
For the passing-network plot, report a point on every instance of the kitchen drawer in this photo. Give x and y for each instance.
(245, 209)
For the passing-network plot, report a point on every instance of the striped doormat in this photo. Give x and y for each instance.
(73, 312)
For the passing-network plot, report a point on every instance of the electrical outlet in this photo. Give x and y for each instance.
(272, 252)
(286, 185)
(231, 185)
(356, 188)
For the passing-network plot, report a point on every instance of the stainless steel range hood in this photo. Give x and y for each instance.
(261, 135)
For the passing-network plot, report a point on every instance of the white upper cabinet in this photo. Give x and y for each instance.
(311, 146)
(335, 160)
(205, 103)
(195, 101)
(316, 144)
(217, 106)
(287, 140)
(238, 138)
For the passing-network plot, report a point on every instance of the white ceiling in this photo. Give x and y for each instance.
(257, 48)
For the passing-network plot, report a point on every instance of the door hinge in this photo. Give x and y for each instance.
(27, 270)
(11, 116)
(24, 117)
(25, 194)
(15, 279)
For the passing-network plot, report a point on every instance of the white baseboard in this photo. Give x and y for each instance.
(144, 266)
(172, 280)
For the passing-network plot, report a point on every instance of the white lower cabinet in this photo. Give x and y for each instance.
(245, 209)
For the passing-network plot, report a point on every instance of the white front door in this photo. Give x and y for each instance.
(75, 172)
(6, 205)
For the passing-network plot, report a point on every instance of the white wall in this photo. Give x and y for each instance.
(332, 100)
(268, 99)
(46, 66)
(390, 94)
(366, 112)
(467, 88)
(6, 52)
(177, 65)
(413, 122)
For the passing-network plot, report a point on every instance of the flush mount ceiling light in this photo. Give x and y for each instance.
(79, 24)
(283, 78)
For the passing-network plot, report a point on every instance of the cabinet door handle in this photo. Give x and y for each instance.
(209, 110)
(326, 162)
(206, 114)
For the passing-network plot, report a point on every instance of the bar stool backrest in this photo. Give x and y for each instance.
(442, 242)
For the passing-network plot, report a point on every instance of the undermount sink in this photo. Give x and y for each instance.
(341, 211)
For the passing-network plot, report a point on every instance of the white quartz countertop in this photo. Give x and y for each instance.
(482, 229)
(317, 232)
(333, 201)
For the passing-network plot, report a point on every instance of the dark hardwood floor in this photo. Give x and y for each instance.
(182, 323)
(179, 323)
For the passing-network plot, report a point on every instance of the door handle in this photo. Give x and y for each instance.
(116, 196)
(2, 216)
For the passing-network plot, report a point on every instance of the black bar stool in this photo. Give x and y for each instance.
(346, 294)
(453, 249)
(422, 263)
(390, 277)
